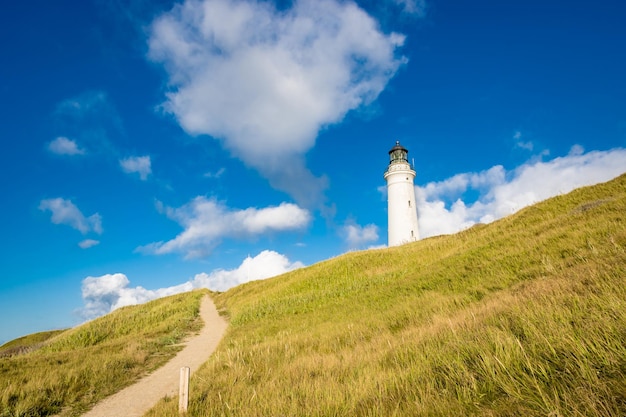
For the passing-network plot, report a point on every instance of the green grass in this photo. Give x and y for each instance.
(74, 369)
(525, 316)
(27, 343)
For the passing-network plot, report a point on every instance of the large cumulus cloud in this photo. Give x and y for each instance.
(265, 81)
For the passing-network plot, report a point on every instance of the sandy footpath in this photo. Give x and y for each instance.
(137, 399)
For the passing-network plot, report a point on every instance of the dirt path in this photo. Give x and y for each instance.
(137, 399)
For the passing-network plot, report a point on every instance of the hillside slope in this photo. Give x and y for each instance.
(524, 316)
(76, 368)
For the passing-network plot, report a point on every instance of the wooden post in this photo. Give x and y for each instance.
(183, 392)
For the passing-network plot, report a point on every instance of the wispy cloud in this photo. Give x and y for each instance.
(65, 146)
(412, 7)
(90, 118)
(441, 208)
(106, 293)
(216, 174)
(88, 243)
(207, 222)
(141, 165)
(528, 145)
(65, 212)
(357, 236)
(264, 81)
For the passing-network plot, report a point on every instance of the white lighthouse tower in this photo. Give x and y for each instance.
(401, 209)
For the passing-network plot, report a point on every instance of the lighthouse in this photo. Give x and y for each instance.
(401, 209)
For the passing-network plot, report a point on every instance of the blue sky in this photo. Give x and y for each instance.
(155, 147)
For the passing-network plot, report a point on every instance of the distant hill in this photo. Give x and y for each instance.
(26, 343)
(524, 316)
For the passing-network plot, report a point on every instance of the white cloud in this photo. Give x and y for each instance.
(357, 236)
(459, 183)
(207, 221)
(216, 174)
(137, 164)
(441, 209)
(264, 82)
(65, 146)
(109, 292)
(65, 212)
(106, 293)
(414, 7)
(87, 102)
(528, 145)
(265, 265)
(88, 243)
(91, 119)
(576, 150)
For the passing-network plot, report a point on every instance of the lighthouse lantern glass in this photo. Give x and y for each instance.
(398, 155)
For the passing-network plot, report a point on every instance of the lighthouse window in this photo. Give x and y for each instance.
(409, 203)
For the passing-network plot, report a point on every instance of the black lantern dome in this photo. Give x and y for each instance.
(398, 154)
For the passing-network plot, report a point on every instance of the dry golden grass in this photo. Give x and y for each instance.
(78, 367)
(525, 316)
(27, 343)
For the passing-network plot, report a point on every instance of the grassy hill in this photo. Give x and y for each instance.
(67, 372)
(524, 316)
(27, 343)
